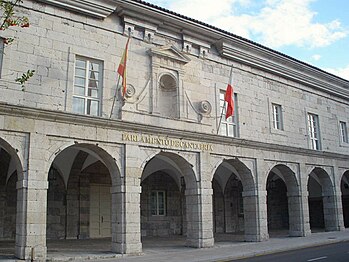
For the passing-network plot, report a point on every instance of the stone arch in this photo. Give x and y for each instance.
(14, 157)
(180, 164)
(169, 178)
(237, 167)
(234, 200)
(92, 179)
(11, 192)
(344, 185)
(283, 201)
(93, 149)
(322, 200)
(288, 176)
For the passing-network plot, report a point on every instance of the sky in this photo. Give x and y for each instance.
(313, 31)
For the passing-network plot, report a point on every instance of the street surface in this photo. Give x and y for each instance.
(338, 252)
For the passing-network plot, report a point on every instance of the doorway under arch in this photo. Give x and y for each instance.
(10, 223)
(321, 201)
(234, 215)
(283, 203)
(167, 204)
(79, 198)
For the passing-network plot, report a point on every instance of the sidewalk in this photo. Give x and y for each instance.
(173, 250)
(225, 251)
(230, 251)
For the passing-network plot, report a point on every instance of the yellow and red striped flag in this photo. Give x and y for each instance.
(122, 68)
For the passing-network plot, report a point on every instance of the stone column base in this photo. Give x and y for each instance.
(134, 249)
(200, 243)
(37, 253)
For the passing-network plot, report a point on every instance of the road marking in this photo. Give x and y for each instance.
(318, 258)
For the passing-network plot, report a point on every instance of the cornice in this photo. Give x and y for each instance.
(266, 60)
(238, 49)
(125, 126)
(96, 8)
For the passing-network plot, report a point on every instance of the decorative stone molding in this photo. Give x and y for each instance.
(187, 46)
(201, 48)
(205, 107)
(149, 35)
(129, 29)
(130, 91)
(97, 8)
(169, 52)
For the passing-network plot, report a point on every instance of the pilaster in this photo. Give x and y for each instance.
(126, 202)
(32, 203)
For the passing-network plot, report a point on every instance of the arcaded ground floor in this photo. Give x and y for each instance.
(60, 185)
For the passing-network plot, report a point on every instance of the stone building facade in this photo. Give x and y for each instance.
(162, 161)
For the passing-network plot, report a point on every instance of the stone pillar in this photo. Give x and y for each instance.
(338, 200)
(126, 225)
(206, 201)
(199, 206)
(31, 220)
(254, 220)
(295, 215)
(263, 234)
(200, 217)
(305, 217)
(117, 219)
(256, 199)
(193, 211)
(339, 211)
(32, 203)
(331, 211)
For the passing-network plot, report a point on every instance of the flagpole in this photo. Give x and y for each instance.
(116, 92)
(220, 119)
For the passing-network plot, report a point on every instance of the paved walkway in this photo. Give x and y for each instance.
(173, 249)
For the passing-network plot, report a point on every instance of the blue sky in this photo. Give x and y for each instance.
(313, 31)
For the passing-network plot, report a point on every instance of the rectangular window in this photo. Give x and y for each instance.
(87, 86)
(277, 117)
(228, 127)
(158, 203)
(344, 131)
(314, 131)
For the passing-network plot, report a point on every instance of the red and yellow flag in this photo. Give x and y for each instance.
(229, 96)
(122, 68)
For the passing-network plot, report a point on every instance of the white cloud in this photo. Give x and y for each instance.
(203, 10)
(316, 57)
(341, 72)
(278, 23)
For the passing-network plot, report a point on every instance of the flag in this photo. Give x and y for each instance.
(122, 68)
(229, 96)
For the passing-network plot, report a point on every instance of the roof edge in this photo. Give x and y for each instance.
(95, 8)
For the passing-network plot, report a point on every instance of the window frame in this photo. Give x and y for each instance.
(87, 96)
(158, 211)
(277, 117)
(343, 132)
(314, 131)
(2, 50)
(228, 127)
